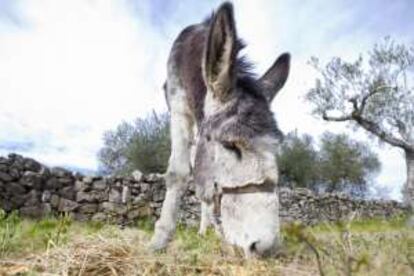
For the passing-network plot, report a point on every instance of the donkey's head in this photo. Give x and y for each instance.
(235, 158)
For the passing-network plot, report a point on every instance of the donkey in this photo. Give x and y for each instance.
(222, 111)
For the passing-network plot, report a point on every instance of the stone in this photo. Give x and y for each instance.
(145, 187)
(88, 208)
(115, 196)
(137, 175)
(99, 185)
(82, 197)
(32, 198)
(36, 211)
(68, 193)
(66, 181)
(4, 161)
(100, 217)
(32, 180)
(134, 191)
(45, 172)
(17, 201)
(133, 214)
(5, 177)
(109, 207)
(159, 196)
(7, 205)
(54, 201)
(145, 211)
(15, 188)
(78, 175)
(140, 200)
(81, 186)
(110, 181)
(14, 156)
(60, 172)
(82, 217)
(126, 194)
(32, 165)
(53, 184)
(88, 179)
(92, 196)
(153, 177)
(14, 173)
(66, 205)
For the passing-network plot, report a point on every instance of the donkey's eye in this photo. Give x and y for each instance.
(231, 146)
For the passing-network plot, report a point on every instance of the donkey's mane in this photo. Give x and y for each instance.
(247, 79)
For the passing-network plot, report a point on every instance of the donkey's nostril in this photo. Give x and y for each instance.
(252, 247)
(259, 249)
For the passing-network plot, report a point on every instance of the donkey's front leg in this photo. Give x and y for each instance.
(206, 217)
(177, 179)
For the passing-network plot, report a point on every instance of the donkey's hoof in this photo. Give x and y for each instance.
(202, 232)
(157, 246)
(159, 241)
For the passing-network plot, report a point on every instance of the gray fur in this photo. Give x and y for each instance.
(210, 90)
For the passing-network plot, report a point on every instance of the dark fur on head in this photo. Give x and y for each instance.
(188, 52)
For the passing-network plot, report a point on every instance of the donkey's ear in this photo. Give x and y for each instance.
(275, 78)
(221, 53)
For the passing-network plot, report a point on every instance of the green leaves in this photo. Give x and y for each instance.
(143, 144)
(346, 163)
(298, 160)
(340, 163)
(375, 92)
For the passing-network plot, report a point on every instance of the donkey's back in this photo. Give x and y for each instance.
(185, 72)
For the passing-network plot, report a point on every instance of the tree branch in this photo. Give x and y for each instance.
(380, 133)
(370, 127)
(354, 102)
(402, 128)
(336, 119)
(370, 94)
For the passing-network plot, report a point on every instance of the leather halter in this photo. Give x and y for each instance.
(267, 187)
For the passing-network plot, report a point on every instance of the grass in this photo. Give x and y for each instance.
(60, 246)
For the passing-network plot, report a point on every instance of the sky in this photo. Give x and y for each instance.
(71, 69)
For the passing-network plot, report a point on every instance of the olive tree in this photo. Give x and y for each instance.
(338, 163)
(298, 161)
(143, 144)
(375, 93)
(346, 164)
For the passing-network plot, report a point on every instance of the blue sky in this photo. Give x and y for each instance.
(71, 69)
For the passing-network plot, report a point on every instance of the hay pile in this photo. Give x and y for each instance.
(372, 248)
(116, 252)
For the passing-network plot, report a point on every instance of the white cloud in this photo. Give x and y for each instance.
(79, 68)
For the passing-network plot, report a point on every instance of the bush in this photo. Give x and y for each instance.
(298, 161)
(340, 164)
(346, 164)
(143, 145)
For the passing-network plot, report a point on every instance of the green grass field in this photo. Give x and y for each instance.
(60, 246)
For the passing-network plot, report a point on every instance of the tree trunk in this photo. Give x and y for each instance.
(408, 191)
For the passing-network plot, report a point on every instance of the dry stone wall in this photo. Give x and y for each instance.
(37, 191)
